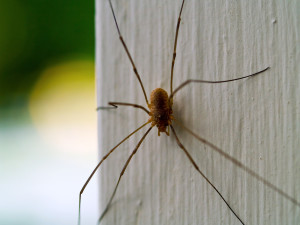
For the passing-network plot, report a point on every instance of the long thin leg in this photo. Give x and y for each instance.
(114, 105)
(175, 45)
(121, 174)
(212, 82)
(240, 165)
(98, 165)
(202, 174)
(128, 54)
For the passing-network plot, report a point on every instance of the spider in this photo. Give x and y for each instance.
(160, 114)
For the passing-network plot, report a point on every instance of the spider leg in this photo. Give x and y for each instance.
(202, 174)
(121, 174)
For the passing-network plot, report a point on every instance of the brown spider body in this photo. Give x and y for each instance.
(160, 110)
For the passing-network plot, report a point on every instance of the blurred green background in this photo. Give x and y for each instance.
(48, 142)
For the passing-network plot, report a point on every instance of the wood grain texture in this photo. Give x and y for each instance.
(256, 120)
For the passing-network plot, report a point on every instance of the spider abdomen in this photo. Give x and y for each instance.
(160, 110)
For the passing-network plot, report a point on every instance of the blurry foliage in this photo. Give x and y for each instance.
(37, 33)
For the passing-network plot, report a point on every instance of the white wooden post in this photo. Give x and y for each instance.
(256, 120)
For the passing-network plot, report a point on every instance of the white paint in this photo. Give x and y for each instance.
(255, 120)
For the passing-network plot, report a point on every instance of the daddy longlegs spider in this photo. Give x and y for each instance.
(161, 115)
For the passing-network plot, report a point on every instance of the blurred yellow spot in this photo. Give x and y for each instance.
(62, 106)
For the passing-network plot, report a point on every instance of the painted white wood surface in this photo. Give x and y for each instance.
(255, 120)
